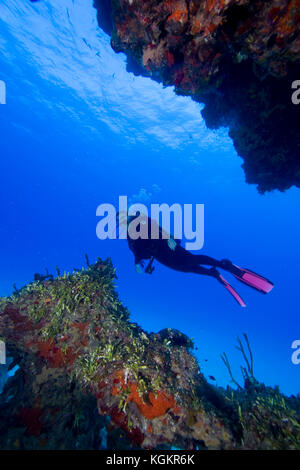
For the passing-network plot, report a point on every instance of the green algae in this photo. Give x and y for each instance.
(74, 328)
(261, 410)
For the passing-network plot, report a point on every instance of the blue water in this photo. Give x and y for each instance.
(78, 130)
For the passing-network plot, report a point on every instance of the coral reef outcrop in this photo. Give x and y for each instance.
(238, 57)
(89, 378)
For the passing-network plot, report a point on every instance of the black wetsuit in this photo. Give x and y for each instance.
(171, 254)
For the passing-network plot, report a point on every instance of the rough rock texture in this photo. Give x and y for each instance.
(90, 379)
(239, 57)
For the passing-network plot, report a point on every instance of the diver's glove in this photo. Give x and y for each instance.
(139, 268)
(172, 244)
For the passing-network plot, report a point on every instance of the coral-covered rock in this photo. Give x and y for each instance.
(239, 57)
(90, 379)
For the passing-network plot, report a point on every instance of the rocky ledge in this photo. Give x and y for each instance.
(89, 378)
(238, 57)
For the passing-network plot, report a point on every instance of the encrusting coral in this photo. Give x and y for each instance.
(238, 57)
(89, 378)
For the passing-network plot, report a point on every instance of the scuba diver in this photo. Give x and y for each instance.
(170, 253)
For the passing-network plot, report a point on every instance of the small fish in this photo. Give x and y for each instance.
(211, 377)
(86, 43)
